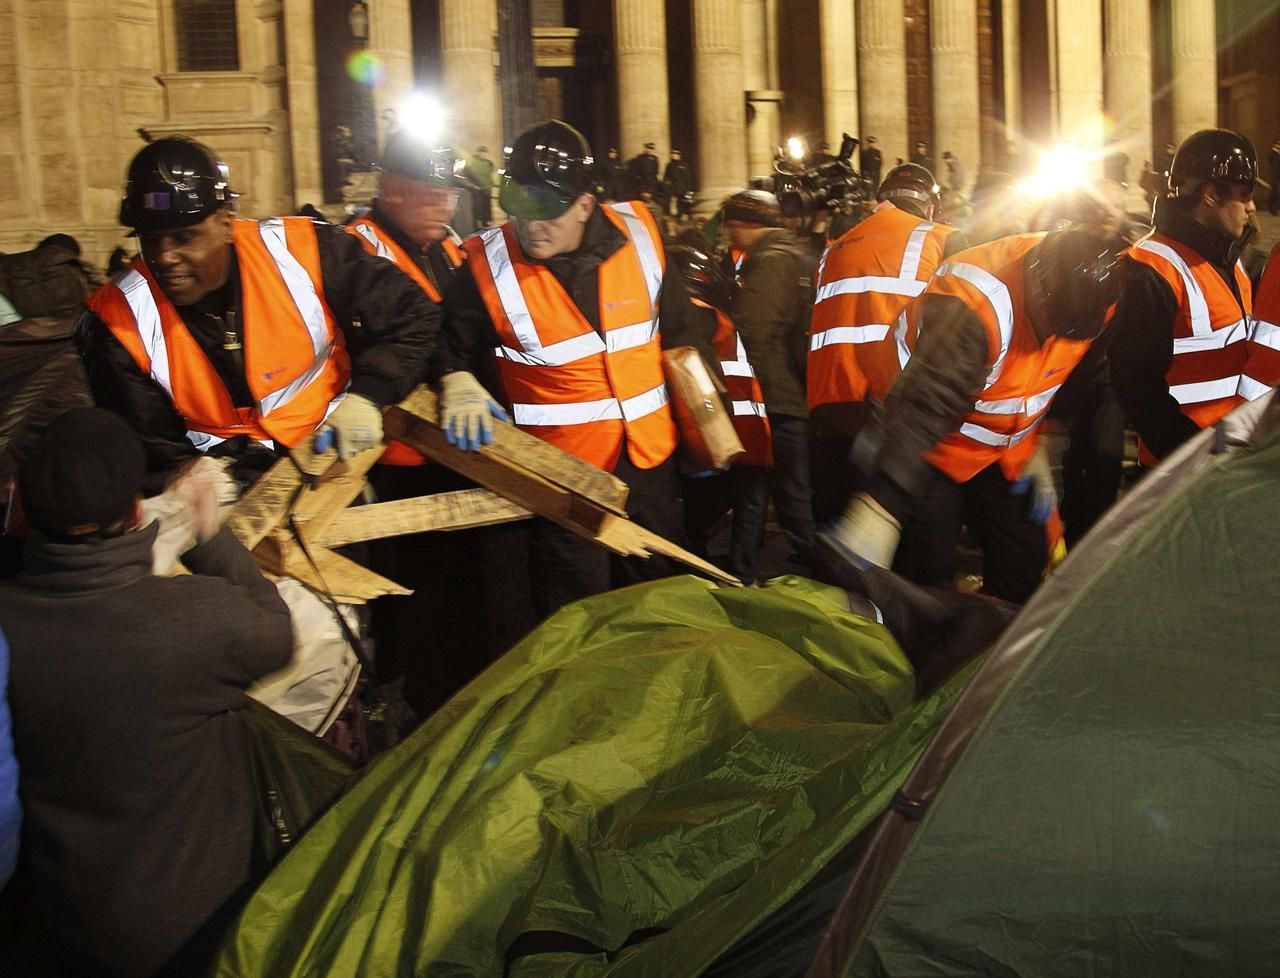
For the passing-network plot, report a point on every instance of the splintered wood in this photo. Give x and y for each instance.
(521, 475)
(541, 478)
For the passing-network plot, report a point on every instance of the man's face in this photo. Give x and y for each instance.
(743, 235)
(1227, 209)
(189, 263)
(422, 210)
(541, 240)
(675, 155)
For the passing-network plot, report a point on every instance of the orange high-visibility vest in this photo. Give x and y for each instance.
(378, 242)
(580, 390)
(860, 336)
(1209, 331)
(746, 399)
(1262, 367)
(295, 357)
(1023, 373)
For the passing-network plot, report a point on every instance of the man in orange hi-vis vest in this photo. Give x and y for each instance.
(236, 338)
(568, 306)
(1262, 368)
(1179, 352)
(860, 337)
(1002, 326)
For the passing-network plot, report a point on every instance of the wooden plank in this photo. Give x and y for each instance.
(523, 450)
(442, 512)
(345, 580)
(633, 540)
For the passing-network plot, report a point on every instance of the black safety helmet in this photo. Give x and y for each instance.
(1218, 155)
(1077, 273)
(547, 168)
(174, 182)
(910, 181)
(418, 159)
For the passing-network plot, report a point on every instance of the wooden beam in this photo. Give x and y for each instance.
(445, 511)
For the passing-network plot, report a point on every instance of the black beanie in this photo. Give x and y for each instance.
(84, 474)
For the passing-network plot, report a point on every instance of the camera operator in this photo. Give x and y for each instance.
(820, 192)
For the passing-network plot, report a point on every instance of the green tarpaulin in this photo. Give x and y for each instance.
(626, 793)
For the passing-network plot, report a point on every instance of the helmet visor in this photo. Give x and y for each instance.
(533, 201)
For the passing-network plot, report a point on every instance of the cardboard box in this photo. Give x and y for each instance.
(708, 438)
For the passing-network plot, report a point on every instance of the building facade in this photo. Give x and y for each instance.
(297, 94)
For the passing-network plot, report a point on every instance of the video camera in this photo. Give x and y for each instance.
(806, 182)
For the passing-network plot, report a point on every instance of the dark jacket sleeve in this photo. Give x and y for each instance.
(391, 326)
(1141, 352)
(253, 617)
(942, 381)
(768, 319)
(468, 336)
(120, 386)
(683, 323)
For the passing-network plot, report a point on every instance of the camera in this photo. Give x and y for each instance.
(806, 182)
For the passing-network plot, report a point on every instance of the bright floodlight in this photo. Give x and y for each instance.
(423, 117)
(1063, 167)
(796, 148)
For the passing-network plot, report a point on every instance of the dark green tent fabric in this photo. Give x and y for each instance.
(1115, 811)
(624, 793)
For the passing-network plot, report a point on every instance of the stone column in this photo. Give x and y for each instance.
(839, 71)
(470, 79)
(882, 77)
(957, 112)
(304, 107)
(1079, 29)
(1127, 81)
(1195, 68)
(760, 75)
(1012, 63)
(640, 47)
(391, 39)
(721, 101)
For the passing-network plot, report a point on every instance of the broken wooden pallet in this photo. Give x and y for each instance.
(541, 478)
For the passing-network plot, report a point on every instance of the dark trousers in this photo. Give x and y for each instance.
(833, 476)
(564, 567)
(483, 209)
(747, 489)
(1014, 549)
(1093, 463)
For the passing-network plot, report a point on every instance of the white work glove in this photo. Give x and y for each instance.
(467, 411)
(1036, 482)
(865, 534)
(357, 422)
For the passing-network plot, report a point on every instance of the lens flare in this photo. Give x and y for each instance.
(796, 148)
(422, 115)
(366, 67)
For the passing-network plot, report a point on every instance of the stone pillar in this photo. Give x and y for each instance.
(1079, 30)
(391, 39)
(957, 114)
(839, 71)
(882, 77)
(760, 75)
(1127, 81)
(470, 78)
(1195, 68)
(721, 102)
(1012, 64)
(640, 47)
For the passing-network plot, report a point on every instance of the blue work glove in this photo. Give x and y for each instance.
(467, 411)
(1036, 482)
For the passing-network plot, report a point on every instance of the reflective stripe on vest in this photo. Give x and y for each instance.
(549, 355)
(861, 332)
(1262, 367)
(1210, 342)
(1025, 374)
(153, 332)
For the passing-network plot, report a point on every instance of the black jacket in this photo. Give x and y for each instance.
(677, 177)
(136, 781)
(432, 260)
(389, 324)
(468, 337)
(1141, 334)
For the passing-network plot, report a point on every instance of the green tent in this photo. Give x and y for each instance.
(628, 792)
(1102, 798)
